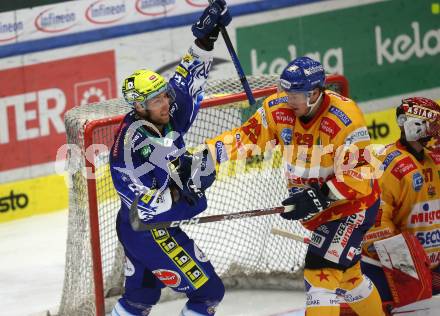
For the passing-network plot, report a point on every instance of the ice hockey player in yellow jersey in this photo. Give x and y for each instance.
(324, 140)
(410, 191)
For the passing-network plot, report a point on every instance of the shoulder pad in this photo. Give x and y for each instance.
(390, 157)
(340, 115)
(276, 101)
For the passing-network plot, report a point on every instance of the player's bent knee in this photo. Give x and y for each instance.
(213, 290)
(204, 300)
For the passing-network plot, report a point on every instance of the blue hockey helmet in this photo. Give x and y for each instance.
(303, 74)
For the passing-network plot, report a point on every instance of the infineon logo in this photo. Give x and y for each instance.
(10, 28)
(51, 21)
(106, 12)
(32, 106)
(155, 7)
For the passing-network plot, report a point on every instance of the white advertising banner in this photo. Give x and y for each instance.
(88, 15)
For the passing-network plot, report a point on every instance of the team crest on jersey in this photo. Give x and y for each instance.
(417, 181)
(286, 136)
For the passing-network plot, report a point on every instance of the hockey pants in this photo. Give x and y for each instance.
(326, 288)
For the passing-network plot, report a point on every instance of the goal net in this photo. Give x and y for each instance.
(243, 251)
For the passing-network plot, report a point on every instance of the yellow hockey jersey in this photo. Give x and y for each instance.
(410, 200)
(321, 150)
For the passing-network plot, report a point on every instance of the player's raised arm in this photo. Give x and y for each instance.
(154, 176)
(191, 75)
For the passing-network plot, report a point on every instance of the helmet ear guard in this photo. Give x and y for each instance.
(401, 118)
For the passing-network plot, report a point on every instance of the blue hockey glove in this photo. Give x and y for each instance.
(305, 203)
(207, 27)
(196, 173)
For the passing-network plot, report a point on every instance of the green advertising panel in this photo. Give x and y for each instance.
(385, 48)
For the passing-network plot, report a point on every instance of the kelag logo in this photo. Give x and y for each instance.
(401, 58)
(105, 12)
(13, 201)
(10, 28)
(404, 47)
(155, 7)
(32, 106)
(50, 21)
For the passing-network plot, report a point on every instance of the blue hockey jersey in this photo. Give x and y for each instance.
(140, 157)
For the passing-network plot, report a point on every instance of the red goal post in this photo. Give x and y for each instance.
(94, 260)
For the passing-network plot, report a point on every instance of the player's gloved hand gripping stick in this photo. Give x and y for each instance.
(204, 27)
(305, 202)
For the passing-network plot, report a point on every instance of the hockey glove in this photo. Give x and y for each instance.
(207, 28)
(196, 173)
(305, 203)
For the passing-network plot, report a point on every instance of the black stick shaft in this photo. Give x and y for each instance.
(237, 64)
(138, 225)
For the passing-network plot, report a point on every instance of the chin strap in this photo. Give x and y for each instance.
(314, 105)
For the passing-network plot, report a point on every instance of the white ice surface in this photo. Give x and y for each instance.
(32, 252)
(32, 263)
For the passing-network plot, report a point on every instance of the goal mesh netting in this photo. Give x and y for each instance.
(243, 252)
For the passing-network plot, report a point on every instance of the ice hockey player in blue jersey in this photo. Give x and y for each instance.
(160, 180)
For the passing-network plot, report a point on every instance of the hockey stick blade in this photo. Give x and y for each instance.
(237, 64)
(138, 225)
(290, 235)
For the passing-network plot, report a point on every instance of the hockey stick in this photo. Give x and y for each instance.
(236, 63)
(138, 225)
(290, 235)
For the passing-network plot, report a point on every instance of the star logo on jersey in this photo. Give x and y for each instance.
(352, 280)
(322, 276)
